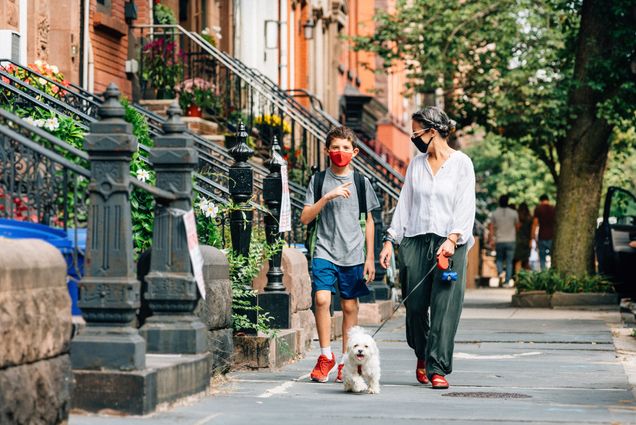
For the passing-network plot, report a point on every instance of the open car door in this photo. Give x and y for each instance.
(616, 258)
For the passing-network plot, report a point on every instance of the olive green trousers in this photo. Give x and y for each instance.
(431, 336)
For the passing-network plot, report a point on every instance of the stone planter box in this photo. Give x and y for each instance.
(533, 299)
(591, 299)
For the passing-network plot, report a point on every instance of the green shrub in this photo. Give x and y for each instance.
(553, 281)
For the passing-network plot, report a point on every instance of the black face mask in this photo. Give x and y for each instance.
(420, 145)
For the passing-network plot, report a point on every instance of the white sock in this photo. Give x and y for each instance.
(326, 351)
(342, 359)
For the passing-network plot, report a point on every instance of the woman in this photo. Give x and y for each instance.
(522, 247)
(434, 216)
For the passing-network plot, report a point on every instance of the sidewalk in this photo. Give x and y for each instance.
(511, 366)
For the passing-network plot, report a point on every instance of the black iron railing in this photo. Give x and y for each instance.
(246, 92)
(214, 161)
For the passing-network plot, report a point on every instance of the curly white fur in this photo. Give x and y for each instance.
(361, 370)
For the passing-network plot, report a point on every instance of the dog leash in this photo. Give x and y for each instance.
(404, 299)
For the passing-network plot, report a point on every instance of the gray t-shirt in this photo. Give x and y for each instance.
(339, 237)
(505, 220)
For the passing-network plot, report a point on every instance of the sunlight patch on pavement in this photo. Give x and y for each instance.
(280, 389)
(468, 356)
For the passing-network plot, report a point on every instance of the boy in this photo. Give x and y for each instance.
(339, 253)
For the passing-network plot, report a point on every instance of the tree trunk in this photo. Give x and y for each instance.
(578, 197)
(583, 152)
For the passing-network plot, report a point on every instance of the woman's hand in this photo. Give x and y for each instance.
(385, 255)
(342, 190)
(447, 249)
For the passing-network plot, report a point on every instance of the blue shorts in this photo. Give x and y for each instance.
(350, 279)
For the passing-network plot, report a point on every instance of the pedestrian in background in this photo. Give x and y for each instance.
(434, 217)
(522, 247)
(504, 222)
(544, 219)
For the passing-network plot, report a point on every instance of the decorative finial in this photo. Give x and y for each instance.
(174, 124)
(241, 152)
(111, 108)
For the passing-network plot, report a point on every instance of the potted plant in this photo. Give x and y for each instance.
(162, 66)
(195, 96)
(269, 126)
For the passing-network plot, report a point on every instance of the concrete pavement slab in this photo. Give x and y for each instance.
(510, 367)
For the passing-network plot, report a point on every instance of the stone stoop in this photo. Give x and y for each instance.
(375, 313)
(336, 325)
(201, 126)
(262, 351)
(167, 378)
(157, 106)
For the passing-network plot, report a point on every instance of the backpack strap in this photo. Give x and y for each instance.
(319, 180)
(361, 189)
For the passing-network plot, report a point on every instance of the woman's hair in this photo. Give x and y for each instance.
(434, 117)
(524, 212)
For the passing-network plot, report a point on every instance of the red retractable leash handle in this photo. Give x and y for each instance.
(443, 263)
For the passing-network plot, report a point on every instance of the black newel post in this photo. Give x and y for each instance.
(172, 289)
(275, 300)
(380, 288)
(241, 189)
(109, 290)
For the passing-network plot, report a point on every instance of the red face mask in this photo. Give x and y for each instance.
(340, 158)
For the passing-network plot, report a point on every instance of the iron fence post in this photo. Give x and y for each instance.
(109, 290)
(172, 290)
(275, 299)
(241, 187)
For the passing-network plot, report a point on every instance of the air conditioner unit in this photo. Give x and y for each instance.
(10, 45)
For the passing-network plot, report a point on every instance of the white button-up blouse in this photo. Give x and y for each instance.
(441, 204)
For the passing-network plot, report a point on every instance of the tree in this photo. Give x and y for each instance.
(549, 75)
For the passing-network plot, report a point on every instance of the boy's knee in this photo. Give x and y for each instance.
(323, 300)
(349, 306)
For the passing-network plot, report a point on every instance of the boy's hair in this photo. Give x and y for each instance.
(544, 197)
(341, 133)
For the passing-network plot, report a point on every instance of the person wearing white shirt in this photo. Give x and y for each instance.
(434, 216)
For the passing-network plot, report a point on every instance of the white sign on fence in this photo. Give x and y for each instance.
(195, 253)
(284, 224)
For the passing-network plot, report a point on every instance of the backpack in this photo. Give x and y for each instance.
(361, 190)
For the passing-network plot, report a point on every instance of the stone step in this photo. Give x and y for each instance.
(218, 139)
(375, 313)
(158, 106)
(201, 125)
(263, 351)
(166, 378)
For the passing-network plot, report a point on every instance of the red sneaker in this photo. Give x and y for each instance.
(339, 377)
(439, 382)
(322, 368)
(420, 372)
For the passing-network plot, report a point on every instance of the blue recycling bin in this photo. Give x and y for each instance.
(66, 242)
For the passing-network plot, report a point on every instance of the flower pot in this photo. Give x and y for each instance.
(194, 111)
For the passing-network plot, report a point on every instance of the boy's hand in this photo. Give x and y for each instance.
(342, 190)
(369, 270)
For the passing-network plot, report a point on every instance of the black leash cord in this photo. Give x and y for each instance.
(404, 299)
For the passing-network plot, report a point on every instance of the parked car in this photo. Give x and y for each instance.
(615, 241)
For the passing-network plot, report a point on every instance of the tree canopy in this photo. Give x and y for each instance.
(554, 76)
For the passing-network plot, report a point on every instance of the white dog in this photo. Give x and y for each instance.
(361, 370)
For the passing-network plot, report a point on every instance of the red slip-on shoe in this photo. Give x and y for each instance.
(322, 368)
(339, 376)
(420, 372)
(439, 382)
